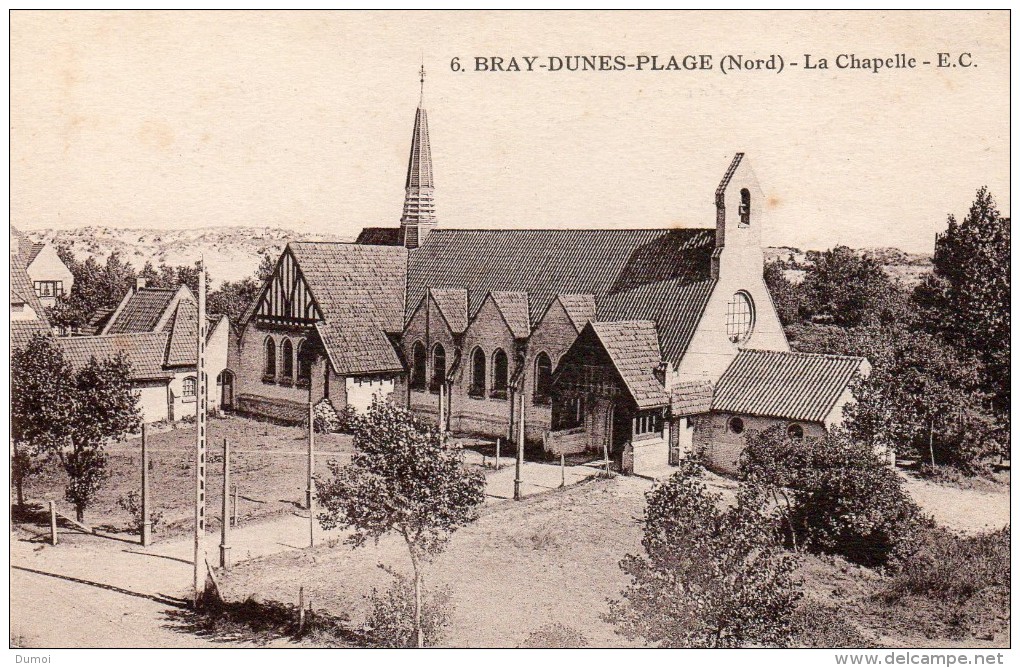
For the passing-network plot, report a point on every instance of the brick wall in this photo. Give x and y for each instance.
(721, 447)
(553, 336)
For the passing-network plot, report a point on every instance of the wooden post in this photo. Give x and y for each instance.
(200, 449)
(225, 528)
(520, 454)
(609, 437)
(235, 504)
(301, 609)
(931, 442)
(311, 474)
(563, 471)
(53, 522)
(146, 513)
(497, 453)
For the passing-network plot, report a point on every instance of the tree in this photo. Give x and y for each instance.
(233, 298)
(708, 578)
(785, 295)
(69, 413)
(846, 288)
(923, 399)
(966, 297)
(403, 478)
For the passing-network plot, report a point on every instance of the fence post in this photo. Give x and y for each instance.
(563, 471)
(520, 454)
(301, 609)
(235, 504)
(53, 522)
(146, 513)
(311, 473)
(497, 453)
(225, 517)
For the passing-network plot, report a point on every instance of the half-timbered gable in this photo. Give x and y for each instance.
(287, 299)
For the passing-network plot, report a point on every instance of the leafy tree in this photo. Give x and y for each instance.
(266, 267)
(70, 413)
(785, 295)
(708, 578)
(924, 400)
(846, 288)
(232, 298)
(403, 478)
(833, 494)
(966, 297)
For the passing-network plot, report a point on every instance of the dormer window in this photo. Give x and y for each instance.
(745, 207)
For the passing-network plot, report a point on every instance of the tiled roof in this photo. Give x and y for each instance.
(379, 236)
(33, 251)
(720, 191)
(21, 291)
(544, 263)
(690, 398)
(514, 307)
(674, 305)
(142, 311)
(453, 305)
(360, 291)
(580, 309)
(793, 386)
(97, 321)
(633, 346)
(145, 351)
(183, 333)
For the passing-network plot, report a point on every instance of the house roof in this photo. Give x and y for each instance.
(142, 311)
(360, 291)
(633, 347)
(21, 291)
(453, 305)
(580, 308)
(33, 251)
(690, 398)
(627, 273)
(514, 307)
(792, 386)
(379, 236)
(182, 330)
(145, 351)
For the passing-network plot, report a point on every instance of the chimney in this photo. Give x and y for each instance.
(139, 283)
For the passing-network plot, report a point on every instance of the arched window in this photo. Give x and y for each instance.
(190, 388)
(287, 352)
(305, 362)
(500, 373)
(438, 367)
(543, 379)
(418, 364)
(795, 431)
(270, 369)
(745, 207)
(477, 388)
(740, 317)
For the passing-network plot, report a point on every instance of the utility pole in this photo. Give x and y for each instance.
(225, 528)
(311, 473)
(520, 453)
(146, 514)
(200, 443)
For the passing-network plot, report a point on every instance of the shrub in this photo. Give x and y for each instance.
(832, 495)
(708, 578)
(391, 622)
(966, 579)
(821, 626)
(555, 635)
(132, 503)
(329, 421)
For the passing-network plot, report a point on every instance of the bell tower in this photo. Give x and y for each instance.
(419, 216)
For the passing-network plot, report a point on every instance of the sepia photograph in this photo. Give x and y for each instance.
(510, 329)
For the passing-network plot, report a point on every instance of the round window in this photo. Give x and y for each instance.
(795, 431)
(736, 425)
(740, 317)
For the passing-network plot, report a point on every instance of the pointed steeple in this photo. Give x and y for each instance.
(419, 215)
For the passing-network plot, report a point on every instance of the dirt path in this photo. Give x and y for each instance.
(967, 510)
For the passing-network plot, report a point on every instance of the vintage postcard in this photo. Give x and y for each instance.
(511, 329)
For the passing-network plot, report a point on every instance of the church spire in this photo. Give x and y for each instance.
(419, 215)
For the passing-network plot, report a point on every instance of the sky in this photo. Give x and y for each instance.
(303, 120)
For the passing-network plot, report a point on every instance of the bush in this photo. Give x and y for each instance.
(832, 495)
(329, 421)
(556, 635)
(391, 623)
(727, 581)
(966, 579)
(132, 503)
(821, 626)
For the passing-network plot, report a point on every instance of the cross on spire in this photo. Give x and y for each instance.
(421, 72)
